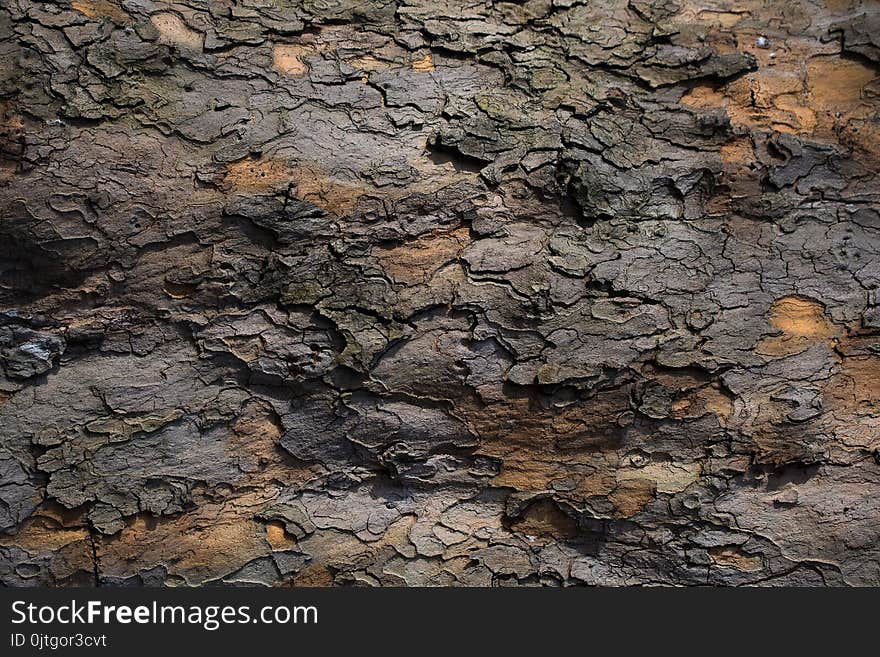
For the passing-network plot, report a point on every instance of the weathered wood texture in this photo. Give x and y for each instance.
(439, 292)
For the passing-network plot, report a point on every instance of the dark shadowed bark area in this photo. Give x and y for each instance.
(439, 292)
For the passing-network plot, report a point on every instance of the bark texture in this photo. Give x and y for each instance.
(439, 292)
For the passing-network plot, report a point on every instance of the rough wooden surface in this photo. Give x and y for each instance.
(439, 292)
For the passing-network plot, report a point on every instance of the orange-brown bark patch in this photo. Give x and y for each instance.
(174, 31)
(315, 575)
(277, 538)
(40, 534)
(424, 64)
(100, 9)
(856, 386)
(545, 519)
(733, 557)
(289, 59)
(631, 496)
(415, 262)
(800, 322)
(257, 175)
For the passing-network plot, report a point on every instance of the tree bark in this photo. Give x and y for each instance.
(439, 292)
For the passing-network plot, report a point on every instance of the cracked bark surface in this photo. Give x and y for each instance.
(439, 292)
